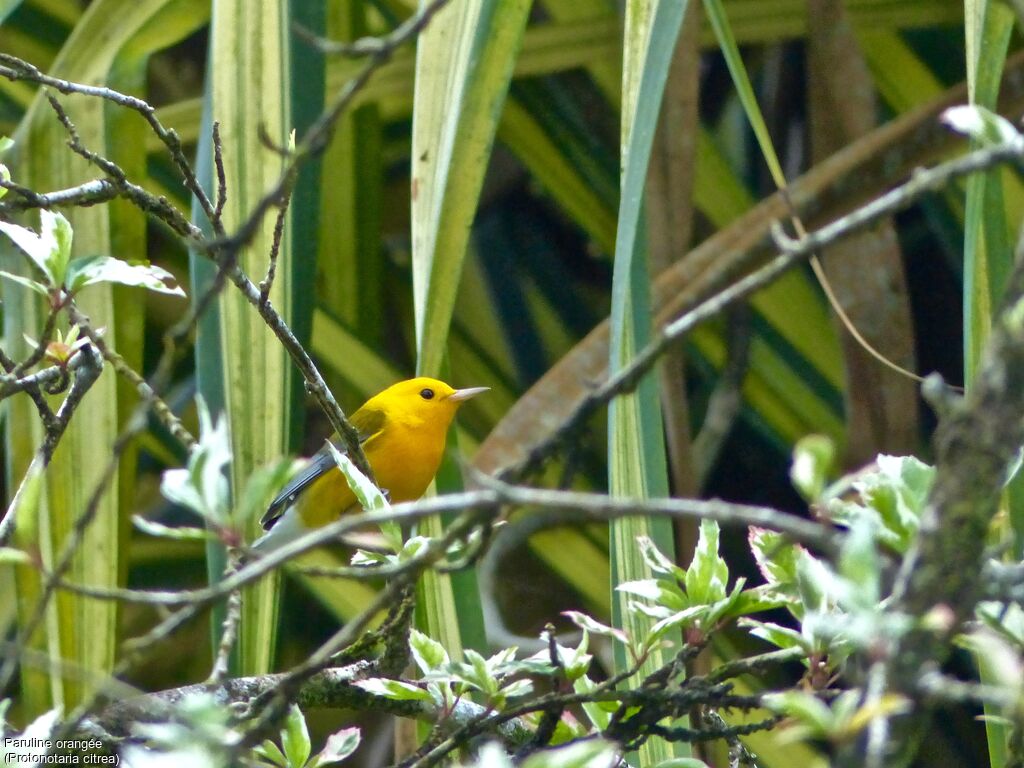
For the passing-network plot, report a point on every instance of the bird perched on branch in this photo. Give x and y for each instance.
(402, 431)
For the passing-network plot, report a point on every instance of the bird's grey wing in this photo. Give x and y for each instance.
(317, 466)
(368, 423)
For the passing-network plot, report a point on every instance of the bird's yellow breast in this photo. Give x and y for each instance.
(405, 457)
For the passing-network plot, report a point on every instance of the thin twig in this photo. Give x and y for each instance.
(87, 367)
(282, 214)
(229, 629)
(81, 196)
(159, 406)
(15, 69)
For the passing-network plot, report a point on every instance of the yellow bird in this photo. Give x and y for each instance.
(402, 431)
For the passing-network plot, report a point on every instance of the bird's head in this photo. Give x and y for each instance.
(423, 399)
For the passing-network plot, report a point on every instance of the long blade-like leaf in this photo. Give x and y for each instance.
(248, 71)
(464, 63)
(636, 450)
(988, 258)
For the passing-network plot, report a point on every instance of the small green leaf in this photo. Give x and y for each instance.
(339, 746)
(708, 574)
(647, 588)
(776, 634)
(33, 246)
(393, 689)
(203, 487)
(369, 495)
(580, 754)
(517, 688)
(813, 457)
(428, 654)
(43, 250)
(27, 282)
(12, 556)
(806, 708)
(260, 488)
(575, 661)
(482, 676)
(655, 560)
(599, 716)
(595, 627)
(683, 618)
(295, 738)
(270, 752)
(815, 582)
(365, 557)
(56, 230)
(860, 564)
(90, 270)
(178, 533)
(775, 556)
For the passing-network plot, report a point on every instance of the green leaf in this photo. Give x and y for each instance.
(656, 561)
(203, 485)
(55, 229)
(393, 689)
(109, 46)
(338, 747)
(91, 270)
(805, 708)
(860, 564)
(776, 634)
(815, 582)
(464, 63)
(813, 458)
(730, 51)
(481, 675)
(295, 738)
(708, 574)
(775, 555)
(599, 716)
(42, 249)
(250, 48)
(428, 654)
(12, 556)
(595, 627)
(369, 495)
(178, 533)
(260, 488)
(270, 752)
(636, 450)
(581, 754)
(27, 282)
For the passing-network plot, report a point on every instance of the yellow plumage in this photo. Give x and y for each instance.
(403, 431)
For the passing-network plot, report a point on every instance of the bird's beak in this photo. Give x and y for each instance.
(459, 395)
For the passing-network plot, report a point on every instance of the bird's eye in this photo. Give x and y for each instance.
(427, 394)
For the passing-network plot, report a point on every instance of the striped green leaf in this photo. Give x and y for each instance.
(464, 63)
(636, 450)
(249, 69)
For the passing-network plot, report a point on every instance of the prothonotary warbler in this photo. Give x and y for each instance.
(402, 430)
